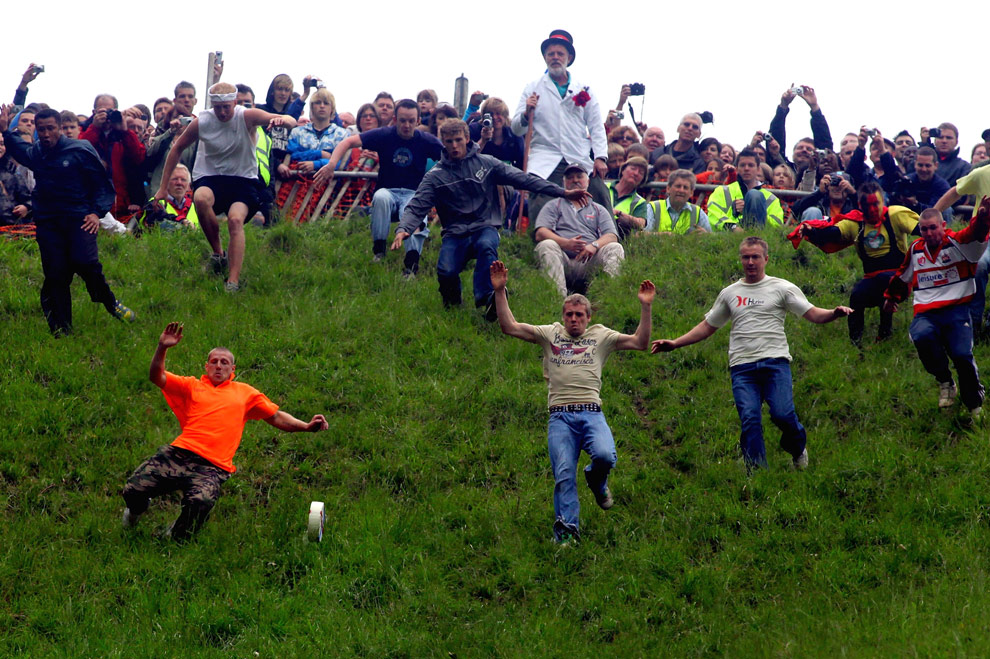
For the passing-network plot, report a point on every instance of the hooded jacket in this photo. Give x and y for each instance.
(13, 191)
(464, 193)
(70, 180)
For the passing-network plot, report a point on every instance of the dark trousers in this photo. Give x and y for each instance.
(67, 250)
(868, 292)
(943, 334)
(596, 186)
(171, 469)
(455, 252)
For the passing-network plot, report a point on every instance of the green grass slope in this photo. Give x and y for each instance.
(437, 482)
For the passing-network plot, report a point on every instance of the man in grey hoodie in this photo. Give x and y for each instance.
(462, 187)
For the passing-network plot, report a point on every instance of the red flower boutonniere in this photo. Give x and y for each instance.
(581, 98)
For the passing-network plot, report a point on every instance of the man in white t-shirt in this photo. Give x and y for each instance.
(225, 174)
(759, 359)
(573, 356)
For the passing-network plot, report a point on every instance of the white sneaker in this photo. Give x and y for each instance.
(946, 394)
(801, 461)
(129, 520)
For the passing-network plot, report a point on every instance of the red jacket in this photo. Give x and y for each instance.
(123, 158)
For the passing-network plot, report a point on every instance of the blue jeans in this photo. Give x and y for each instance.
(766, 380)
(386, 207)
(813, 213)
(455, 252)
(944, 334)
(754, 209)
(978, 303)
(569, 433)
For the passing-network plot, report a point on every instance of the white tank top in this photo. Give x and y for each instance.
(225, 148)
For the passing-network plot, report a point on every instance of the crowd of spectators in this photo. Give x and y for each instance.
(133, 143)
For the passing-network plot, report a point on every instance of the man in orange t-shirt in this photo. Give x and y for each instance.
(212, 412)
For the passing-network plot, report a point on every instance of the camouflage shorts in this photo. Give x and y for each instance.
(170, 469)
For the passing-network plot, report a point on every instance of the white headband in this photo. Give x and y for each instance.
(220, 98)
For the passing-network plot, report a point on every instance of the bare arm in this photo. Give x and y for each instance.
(946, 200)
(256, 117)
(641, 339)
(698, 333)
(169, 338)
(500, 275)
(188, 136)
(288, 423)
(821, 316)
(325, 173)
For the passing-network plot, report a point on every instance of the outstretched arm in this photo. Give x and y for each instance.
(641, 339)
(699, 332)
(821, 316)
(169, 338)
(288, 423)
(188, 136)
(500, 275)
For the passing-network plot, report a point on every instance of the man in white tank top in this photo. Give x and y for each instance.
(225, 175)
(759, 358)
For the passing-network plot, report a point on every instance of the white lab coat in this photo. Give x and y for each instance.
(562, 130)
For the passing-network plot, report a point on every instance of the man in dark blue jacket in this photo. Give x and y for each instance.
(462, 187)
(72, 192)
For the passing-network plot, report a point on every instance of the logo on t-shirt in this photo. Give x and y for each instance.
(874, 239)
(748, 302)
(567, 350)
(402, 157)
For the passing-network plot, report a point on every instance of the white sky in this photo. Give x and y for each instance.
(735, 60)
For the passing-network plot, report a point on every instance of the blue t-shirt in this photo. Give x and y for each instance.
(401, 163)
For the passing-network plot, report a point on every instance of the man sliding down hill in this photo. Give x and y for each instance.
(573, 356)
(212, 411)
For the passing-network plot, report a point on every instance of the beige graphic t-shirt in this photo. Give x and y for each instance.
(573, 366)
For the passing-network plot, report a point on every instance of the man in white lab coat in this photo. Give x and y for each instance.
(567, 124)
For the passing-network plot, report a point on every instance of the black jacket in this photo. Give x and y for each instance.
(70, 179)
(464, 193)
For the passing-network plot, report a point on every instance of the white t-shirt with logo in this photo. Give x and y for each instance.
(757, 313)
(573, 366)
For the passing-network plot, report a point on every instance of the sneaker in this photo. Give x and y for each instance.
(129, 520)
(378, 257)
(408, 274)
(603, 498)
(946, 394)
(231, 287)
(120, 312)
(801, 461)
(218, 262)
(565, 535)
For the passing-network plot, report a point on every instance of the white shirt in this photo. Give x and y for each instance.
(562, 130)
(757, 313)
(226, 148)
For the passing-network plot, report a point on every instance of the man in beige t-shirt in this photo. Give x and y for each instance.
(573, 356)
(759, 359)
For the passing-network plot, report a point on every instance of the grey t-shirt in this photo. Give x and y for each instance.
(757, 312)
(589, 223)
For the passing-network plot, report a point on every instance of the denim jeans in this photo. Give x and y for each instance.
(386, 207)
(569, 433)
(813, 213)
(978, 303)
(754, 209)
(766, 380)
(455, 252)
(943, 334)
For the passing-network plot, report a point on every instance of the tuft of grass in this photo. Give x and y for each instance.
(436, 479)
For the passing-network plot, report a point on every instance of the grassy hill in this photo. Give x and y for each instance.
(437, 482)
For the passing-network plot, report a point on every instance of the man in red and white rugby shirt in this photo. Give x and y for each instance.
(940, 267)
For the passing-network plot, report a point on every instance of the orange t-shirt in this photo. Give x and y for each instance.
(213, 418)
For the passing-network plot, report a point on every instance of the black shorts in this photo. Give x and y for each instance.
(228, 190)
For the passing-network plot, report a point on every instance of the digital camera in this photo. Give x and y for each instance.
(637, 89)
(486, 120)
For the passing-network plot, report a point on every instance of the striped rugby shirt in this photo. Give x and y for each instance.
(945, 278)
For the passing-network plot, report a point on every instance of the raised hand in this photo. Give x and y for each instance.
(647, 291)
(499, 274)
(171, 335)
